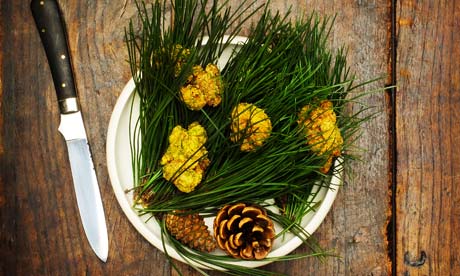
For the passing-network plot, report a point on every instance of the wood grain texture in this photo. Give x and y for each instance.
(41, 233)
(428, 128)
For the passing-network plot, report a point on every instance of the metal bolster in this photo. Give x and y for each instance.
(69, 105)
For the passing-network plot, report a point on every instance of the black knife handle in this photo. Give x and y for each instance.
(53, 35)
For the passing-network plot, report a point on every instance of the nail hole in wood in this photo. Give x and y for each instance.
(416, 263)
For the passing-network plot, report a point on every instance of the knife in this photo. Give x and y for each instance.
(52, 33)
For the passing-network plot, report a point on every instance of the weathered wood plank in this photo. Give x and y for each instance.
(356, 225)
(41, 232)
(428, 127)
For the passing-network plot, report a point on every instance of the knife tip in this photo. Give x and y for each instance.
(102, 249)
(103, 256)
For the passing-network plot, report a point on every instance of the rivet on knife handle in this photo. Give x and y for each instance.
(53, 35)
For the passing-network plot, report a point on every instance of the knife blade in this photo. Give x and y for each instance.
(51, 28)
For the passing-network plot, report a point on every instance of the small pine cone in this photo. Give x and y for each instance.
(190, 230)
(244, 231)
(143, 197)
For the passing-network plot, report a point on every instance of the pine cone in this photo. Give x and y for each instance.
(190, 230)
(244, 231)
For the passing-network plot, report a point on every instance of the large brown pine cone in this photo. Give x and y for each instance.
(244, 231)
(190, 230)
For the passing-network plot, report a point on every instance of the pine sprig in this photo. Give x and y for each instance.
(283, 66)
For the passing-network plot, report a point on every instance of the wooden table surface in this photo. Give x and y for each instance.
(398, 213)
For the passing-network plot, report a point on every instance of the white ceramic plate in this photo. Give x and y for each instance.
(120, 172)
